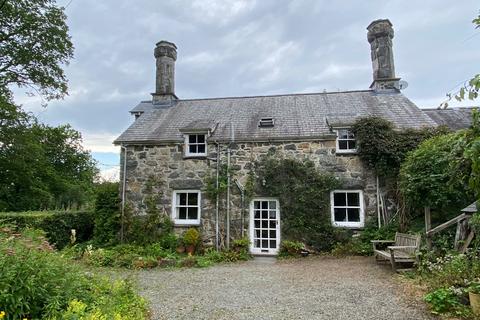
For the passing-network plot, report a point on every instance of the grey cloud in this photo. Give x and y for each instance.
(236, 48)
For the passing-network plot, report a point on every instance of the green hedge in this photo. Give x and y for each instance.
(56, 224)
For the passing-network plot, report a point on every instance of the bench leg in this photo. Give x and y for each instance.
(392, 261)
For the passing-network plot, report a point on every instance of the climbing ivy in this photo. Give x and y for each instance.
(155, 224)
(211, 189)
(303, 192)
(383, 149)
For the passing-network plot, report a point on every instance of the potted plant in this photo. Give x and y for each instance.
(474, 296)
(180, 246)
(191, 239)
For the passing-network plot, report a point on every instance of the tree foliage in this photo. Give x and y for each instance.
(444, 171)
(41, 167)
(472, 152)
(34, 47)
(436, 174)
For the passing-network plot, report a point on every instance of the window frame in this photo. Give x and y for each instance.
(337, 141)
(361, 207)
(186, 222)
(187, 144)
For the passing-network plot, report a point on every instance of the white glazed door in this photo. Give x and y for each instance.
(264, 226)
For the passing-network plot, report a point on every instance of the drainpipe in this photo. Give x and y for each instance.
(378, 204)
(217, 229)
(242, 197)
(228, 198)
(229, 153)
(124, 184)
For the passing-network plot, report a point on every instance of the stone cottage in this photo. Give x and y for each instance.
(179, 142)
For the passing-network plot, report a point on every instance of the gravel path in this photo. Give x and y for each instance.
(313, 288)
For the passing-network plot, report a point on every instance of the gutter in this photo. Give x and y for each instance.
(325, 137)
(124, 184)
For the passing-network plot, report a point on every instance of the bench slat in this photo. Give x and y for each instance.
(404, 249)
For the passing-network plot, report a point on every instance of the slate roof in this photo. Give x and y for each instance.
(296, 116)
(454, 118)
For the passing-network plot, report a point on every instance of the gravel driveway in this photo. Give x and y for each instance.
(312, 288)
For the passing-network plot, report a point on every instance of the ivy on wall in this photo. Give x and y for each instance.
(304, 195)
(383, 149)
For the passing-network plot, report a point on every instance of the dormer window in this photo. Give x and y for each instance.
(346, 141)
(266, 122)
(195, 145)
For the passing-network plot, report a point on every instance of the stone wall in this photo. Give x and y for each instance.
(167, 167)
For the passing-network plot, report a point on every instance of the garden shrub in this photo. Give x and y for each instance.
(303, 192)
(153, 255)
(448, 279)
(242, 244)
(56, 224)
(191, 237)
(447, 301)
(107, 213)
(38, 283)
(436, 174)
(361, 243)
(291, 248)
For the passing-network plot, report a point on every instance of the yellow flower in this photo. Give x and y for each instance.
(2, 314)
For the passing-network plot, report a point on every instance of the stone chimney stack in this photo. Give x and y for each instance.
(166, 54)
(380, 35)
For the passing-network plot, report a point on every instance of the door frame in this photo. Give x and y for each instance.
(257, 251)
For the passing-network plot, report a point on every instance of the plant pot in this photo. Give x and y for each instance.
(475, 302)
(190, 249)
(180, 249)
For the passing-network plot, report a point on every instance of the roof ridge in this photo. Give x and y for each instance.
(279, 95)
(450, 108)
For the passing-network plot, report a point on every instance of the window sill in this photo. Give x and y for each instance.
(346, 152)
(182, 223)
(354, 225)
(199, 157)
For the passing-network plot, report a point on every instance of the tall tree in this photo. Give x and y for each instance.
(41, 167)
(34, 47)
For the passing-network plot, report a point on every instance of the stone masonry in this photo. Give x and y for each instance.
(171, 171)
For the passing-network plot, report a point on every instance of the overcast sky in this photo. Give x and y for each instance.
(250, 47)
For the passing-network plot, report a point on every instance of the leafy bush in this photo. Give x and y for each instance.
(303, 192)
(153, 255)
(242, 244)
(191, 237)
(56, 224)
(291, 248)
(452, 269)
(436, 174)
(361, 244)
(447, 301)
(37, 282)
(107, 213)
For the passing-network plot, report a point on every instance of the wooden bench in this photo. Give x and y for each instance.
(404, 249)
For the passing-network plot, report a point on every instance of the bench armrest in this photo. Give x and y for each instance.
(401, 247)
(382, 241)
